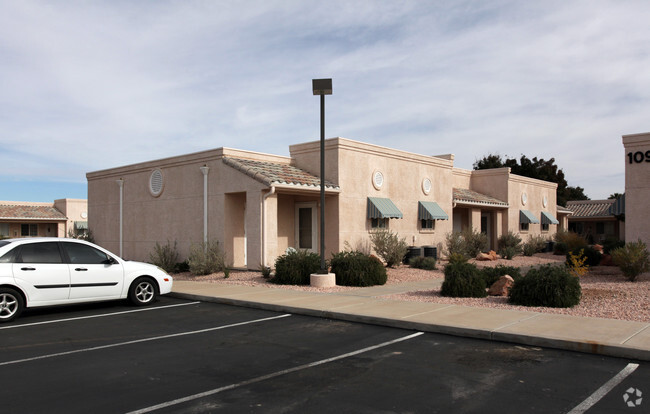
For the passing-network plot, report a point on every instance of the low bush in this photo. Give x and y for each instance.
(455, 245)
(463, 280)
(611, 243)
(457, 258)
(206, 258)
(265, 271)
(593, 256)
(548, 286)
(474, 242)
(295, 267)
(388, 246)
(577, 263)
(492, 274)
(353, 268)
(181, 267)
(165, 256)
(426, 263)
(509, 245)
(560, 248)
(633, 259)
(534, 244)
(572, 240)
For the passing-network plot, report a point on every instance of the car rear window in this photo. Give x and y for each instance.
(4, 243)
(40, 253)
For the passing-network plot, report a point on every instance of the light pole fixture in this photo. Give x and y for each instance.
(322, 87)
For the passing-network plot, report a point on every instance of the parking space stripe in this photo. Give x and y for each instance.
(96, 316)
(269, 376)
(604, 390)
(137, 341)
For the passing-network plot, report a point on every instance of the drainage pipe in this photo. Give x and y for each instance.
(267, 195)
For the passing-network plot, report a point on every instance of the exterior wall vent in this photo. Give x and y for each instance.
(156, 183)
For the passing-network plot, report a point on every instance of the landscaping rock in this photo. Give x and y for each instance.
(502, 286)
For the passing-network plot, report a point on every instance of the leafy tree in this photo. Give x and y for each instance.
(540, 169)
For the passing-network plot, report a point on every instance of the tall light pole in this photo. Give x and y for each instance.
(322, 87)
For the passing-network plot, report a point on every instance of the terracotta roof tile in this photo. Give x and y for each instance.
(30, 212)
(271, 173)
(590, 208)
(463, 195)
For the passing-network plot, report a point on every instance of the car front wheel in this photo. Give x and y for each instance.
(11, 304)
(143, 291)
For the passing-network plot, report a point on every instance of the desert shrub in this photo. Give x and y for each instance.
(463, 280)
(572, 240)
(633, 259)
(492, 274)
(454, 244)
(426, 263)
(265, 271)
(181, 267)
(548, 286)
(353, 268)
(474, 242)
(206, 258)
(295, 267)
(457, 258)
(165, 256)
(534, 244)
(577, 263)
(591, 255)
(509, 245)
(388, 246)
(560, 248)
(611, 243)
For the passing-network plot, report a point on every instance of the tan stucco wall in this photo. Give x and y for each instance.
(535, 191)
(637, 188)
(74, 210)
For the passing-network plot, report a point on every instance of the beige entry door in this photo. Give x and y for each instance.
(306, 227)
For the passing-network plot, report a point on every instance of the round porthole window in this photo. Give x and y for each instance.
(524, 198)
(156, 183)
(426, 186)
(377, 179)
(545, 201)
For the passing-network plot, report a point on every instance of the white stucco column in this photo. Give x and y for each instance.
(205, 170)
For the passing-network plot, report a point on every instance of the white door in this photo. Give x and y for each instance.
(41, 272)
(306, 224)
(92, 274)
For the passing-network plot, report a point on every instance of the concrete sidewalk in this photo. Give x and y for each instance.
(593, 335)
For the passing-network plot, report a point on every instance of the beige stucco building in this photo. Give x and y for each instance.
(31, 219)
(257, 205)
(637, 187)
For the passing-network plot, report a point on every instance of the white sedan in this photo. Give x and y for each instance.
(56, 271)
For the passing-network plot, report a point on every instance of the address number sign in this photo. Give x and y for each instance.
(638, 157)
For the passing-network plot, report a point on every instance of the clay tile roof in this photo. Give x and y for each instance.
(30, 212)
(271, 173)
(590, 208)
(465, 196)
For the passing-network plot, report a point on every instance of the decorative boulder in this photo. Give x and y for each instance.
(502, 286)
(483, 257)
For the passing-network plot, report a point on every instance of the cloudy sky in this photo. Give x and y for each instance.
(89, 85)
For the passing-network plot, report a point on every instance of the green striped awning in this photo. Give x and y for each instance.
(618, 207)
(526, 216)
(430, 210)
(81, 225)
(547, 218)
(382, 208)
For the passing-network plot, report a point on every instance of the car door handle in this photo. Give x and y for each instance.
(27, 268)
(81, 269)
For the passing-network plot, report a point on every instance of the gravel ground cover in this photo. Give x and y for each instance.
(606, 293)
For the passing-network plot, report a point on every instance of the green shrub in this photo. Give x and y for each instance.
(560, 248)
(266, 271)
(463, 280)
(548, 286)
(295, 267)
(457, 258)
(474, 242)
(206, 258)
(455, 245)
(593, 256)
(426, 263)
(534, 244)
(165, 256)
(509, 245)
(611, 243)
(388, 246)
(633, 259)
(572, 240)
(181, 267)
(353, 268)
(492, 274)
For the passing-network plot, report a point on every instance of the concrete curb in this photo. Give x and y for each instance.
(591, 347)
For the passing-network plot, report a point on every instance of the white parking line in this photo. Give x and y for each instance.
(137, 341)
(96, 316)
(269, 376)
(604, 390)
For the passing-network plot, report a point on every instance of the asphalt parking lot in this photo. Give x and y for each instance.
(180, 356)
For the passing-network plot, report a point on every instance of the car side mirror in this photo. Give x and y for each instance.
(110, 261)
